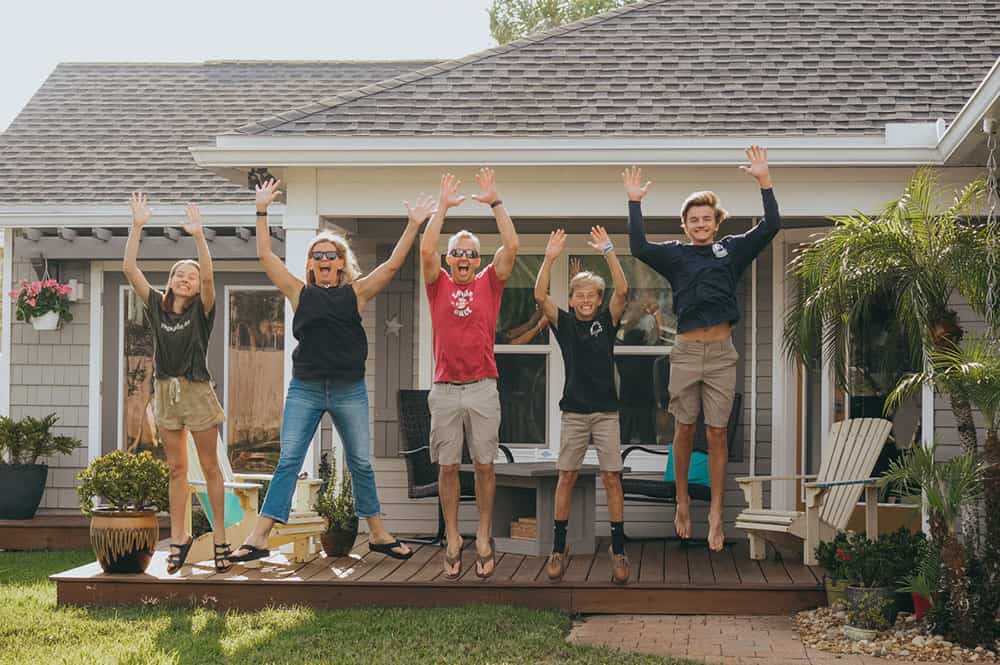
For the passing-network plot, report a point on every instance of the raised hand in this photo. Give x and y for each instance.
(487, 180)
(448, 196)
(556, 245)
(266, 194)
(140, 211)
(599, 240)
(632, 179)
(421, 210)
(758, 165)
(193, 225)
(575, 266)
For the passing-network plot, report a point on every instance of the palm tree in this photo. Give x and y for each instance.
(912, 252)
(948, 487)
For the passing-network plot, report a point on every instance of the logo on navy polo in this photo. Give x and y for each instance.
(596, 328)
(720, 250)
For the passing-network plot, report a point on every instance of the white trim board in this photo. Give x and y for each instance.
(96, 362)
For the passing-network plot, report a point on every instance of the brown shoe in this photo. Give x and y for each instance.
(557, 565)
(619, 567)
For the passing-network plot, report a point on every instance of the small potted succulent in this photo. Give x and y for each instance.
(44, 304)
(337, 507)
(133, 489)
(866, 615)
(22, 478)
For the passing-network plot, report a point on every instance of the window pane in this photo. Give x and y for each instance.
(649, 318)
(138, 431)
(519, 319)
(522, 397)
(642, 390)
(255, 379)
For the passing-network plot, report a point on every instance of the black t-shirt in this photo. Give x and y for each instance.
(332, 342)
(180, 341)
(588, 355)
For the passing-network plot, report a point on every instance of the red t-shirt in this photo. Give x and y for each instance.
(464, 318)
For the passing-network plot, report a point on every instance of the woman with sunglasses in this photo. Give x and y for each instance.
(328, 369)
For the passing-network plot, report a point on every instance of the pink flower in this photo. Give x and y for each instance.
(64, 289)
(14, 294)
(32, 302)
(49, 283)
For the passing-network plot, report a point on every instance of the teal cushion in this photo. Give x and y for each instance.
(234, 512)
(697, 472)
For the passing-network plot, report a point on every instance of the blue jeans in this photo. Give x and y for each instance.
(305, 404)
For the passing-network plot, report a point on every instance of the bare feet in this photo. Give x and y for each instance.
(716, 535)
(682, 520)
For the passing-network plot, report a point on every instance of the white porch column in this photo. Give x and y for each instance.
(783, 420)
(301, 223)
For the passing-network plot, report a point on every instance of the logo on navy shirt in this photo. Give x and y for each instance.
(596, 328)
(720, 250)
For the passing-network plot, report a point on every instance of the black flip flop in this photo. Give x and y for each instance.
(387, 549)
(175, 560)
(253, 554)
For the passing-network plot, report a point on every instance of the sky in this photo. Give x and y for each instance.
(39, 34)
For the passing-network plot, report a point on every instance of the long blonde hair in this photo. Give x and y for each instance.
(351, 270)
(167, 304)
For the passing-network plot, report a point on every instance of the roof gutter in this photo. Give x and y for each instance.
(984, 103)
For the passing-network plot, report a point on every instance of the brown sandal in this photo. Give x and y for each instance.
(451, 561)
(483, 560)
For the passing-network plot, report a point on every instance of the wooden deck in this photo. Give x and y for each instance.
(667, 578)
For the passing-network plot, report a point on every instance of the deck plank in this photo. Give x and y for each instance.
(507, 567)
(652, 564)
(531, 570)
(675, 563)
(724, 567)
(421, 555)
(748, 569)
(699, 565)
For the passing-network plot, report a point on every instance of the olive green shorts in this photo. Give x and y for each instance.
(183, 404)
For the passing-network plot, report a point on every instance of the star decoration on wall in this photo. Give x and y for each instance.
(393, 325)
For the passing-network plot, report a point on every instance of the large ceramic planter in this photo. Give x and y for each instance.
(856, 594)
(339, 542)
(47, 321)
(21, 488)
(836, 591)
(124, 542)
(858, 634)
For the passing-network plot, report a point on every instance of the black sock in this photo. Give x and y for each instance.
(618, 537)
(559, 542)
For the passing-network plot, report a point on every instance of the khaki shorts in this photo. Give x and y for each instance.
(702, 376)
(579, 429)
(191, 405)
(457, 409)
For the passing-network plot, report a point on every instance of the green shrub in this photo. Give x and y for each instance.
(24, 441)
(125, 482)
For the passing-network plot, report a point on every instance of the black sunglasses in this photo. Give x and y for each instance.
(331, 255)
(459, 252)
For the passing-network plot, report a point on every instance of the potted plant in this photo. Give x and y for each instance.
(832, 556)
(337, 507)
(866, 615)
(874, 568)
(124, 530)
(22, 478)
(44, 304)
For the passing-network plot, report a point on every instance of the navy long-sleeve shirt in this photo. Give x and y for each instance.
(703, 277)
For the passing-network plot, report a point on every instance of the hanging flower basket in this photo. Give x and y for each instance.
(44, 304)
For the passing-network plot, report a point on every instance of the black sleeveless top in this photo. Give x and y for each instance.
(332, 342)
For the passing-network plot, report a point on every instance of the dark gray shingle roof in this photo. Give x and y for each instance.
(690, 67)
(94, 132)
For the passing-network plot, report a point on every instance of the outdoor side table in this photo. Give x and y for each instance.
(529, 490)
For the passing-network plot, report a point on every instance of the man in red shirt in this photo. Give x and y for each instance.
(464, 402)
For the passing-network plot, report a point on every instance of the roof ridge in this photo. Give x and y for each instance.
(327, 103)
(202, 63)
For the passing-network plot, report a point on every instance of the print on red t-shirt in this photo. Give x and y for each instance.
(464, 318)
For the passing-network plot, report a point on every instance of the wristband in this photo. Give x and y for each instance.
(498, 202)
(262, 213)
(607, 249)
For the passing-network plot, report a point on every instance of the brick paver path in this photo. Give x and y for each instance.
(729, 640)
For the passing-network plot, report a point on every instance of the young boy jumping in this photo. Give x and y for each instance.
(589, 405)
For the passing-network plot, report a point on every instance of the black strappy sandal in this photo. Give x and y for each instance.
(175, 560)
(387, 549)
(222, 554)
(253, 554)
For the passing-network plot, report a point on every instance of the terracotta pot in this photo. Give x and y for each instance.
(339, 542)
(921, 604)
(124, 541)
(836, 591)
(47, 321)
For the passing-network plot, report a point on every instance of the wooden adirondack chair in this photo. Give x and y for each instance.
(831, 495)
(242, 502)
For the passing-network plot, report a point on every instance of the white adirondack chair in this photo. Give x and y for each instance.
(242, 500)
(831, 495)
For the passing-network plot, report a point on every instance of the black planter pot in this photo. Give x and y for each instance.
(23, 485)
(339, 542)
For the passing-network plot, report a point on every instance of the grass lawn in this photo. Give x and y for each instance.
(34, 631)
